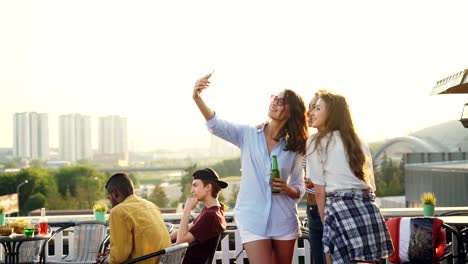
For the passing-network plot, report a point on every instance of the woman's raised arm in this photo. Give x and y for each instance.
(200, 85)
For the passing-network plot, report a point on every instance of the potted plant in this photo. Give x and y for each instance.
(428, 201)
(100, 210)
(2, 215)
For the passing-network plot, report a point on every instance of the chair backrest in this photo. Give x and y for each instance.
(209, 260)
(170, 255)
(417, 239)
(30, 251)
(174, 254)
(88, 236)
(105, 245)
(169, 226)
(464, 241)
(196, 246)
(87, 239)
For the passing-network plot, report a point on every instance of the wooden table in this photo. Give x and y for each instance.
(11, 244)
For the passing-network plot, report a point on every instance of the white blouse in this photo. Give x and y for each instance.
(332, 169)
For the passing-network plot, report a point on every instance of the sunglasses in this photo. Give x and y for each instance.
(278, 101)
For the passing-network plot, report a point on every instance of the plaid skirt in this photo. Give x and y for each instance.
(354, 228)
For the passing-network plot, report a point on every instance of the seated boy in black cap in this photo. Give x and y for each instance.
(209, 224)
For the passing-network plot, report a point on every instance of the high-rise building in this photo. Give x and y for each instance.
(31, 135)
(75, 137)
(113, 138)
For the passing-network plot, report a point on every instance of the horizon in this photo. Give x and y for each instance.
(140, 60)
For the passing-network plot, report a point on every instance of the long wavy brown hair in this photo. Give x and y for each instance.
(339, 118)
(295, 130)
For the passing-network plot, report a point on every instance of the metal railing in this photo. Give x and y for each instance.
(225, 252)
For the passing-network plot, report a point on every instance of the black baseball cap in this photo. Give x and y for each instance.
(209, 175)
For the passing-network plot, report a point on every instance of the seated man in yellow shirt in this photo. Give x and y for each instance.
(136, 225)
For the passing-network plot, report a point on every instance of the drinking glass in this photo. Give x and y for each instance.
(29, 231)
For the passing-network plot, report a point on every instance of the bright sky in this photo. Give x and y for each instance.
(140, 59)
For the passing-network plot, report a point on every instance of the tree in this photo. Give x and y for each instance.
(186, 183)
(233, 198)
(228, 167)
(13, 163)
(389, 177)
(159, 197)
(37, 187)
(85, 184)
(62, 202)
(38, 163)
(35, 201)
(221, 197)
(32, 195)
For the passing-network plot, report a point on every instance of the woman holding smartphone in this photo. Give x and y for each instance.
(268, 223)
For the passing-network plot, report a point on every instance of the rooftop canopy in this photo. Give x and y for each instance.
(456, 83)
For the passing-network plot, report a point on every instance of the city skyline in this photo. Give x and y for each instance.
(31, 137)
(140, 60)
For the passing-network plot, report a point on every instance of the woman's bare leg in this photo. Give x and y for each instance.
(283, 251)
(259, 251)
(328, 258)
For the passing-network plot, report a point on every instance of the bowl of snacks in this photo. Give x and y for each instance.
(19, 225)
(5, 230)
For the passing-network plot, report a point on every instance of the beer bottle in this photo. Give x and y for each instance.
(43, 222)
(274, 171)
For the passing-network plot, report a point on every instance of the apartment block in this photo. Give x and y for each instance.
(31, 135)
(113, 138)
(75, 137)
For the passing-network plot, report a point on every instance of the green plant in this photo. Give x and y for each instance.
(2, 209)
(100, 207)
(428, 198)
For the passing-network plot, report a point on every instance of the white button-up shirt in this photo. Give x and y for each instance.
(257, 210)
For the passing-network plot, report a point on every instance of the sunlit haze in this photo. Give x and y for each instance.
(140, 59)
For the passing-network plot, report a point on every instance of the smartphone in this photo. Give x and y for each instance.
(211, 73)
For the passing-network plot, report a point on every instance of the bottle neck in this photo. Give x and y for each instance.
(274, 163)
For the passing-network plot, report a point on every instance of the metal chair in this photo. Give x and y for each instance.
(170, 255)
(208, 260)
(464, 241)
(213, 250)
(88, 237)
(106, 241)
(169, 226)
(30, 252)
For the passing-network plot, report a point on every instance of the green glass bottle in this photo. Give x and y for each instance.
(274, 170)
